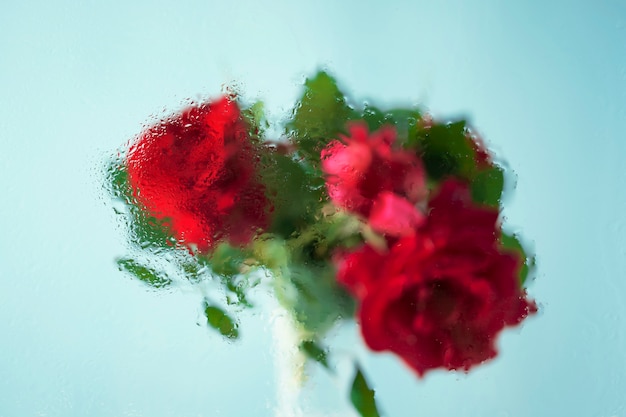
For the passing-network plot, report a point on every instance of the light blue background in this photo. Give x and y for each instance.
(544, 81)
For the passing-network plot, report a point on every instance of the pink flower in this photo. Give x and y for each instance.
(394, 215)
(366, 174)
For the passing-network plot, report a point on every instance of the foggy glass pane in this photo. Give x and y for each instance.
(543, 84)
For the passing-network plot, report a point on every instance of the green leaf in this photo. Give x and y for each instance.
(227, 260)
(192, 269)
(319, 116)
(403, 119)
(220, 321)
(446, 151)
(315, 352)
(256, 114)
(143, 273)
(511, 243)
(311, 292)
(294, 192)
(487, 186)
(406, 121)
(117, 178)
(362, 396)
(238, 292)
(305, 277)
(257, 122)
(271, 252)
(374, 117)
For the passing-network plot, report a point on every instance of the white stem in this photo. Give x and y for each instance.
(289, 364)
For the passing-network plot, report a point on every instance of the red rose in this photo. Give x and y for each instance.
(365, 173)
(197, 171)
(439, 297)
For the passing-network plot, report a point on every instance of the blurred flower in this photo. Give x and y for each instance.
(394, 215)
(197, 170)
(365, 174)
(439, 297)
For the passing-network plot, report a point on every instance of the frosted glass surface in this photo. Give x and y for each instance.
(545, 83)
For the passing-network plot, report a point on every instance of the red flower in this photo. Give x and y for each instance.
(439, 297)
(365, 174)
(197, 171)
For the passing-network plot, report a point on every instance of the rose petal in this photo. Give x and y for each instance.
(394, 215)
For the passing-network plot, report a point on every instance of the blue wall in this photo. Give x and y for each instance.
(544, 82)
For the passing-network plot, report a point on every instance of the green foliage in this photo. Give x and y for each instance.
(192, 269)
(256, 120)
(304, 276)
(404, 119)
(143, 273)
(314, 351)
(445, 150)
(220, 321)
(512, 243)
(322, 114)
(317, 242)
(374, 117)
(271, 252)
(226, 260)
(296, 195)
(237, 291)
(311, 293)
(362, 396)
(487, 186)
(319, 116)
(232, 264)
(305, 281)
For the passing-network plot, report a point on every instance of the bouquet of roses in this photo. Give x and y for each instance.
(386, 217)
